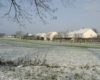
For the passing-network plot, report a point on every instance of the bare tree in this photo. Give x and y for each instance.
(21, 13)
(19, 34)
(95, 30)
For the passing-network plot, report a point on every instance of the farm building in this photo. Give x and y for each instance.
(42, 35)
(60, 35)
(71, 34)
(85, 33)
(82, 33)
(50, 35)
(29, 34)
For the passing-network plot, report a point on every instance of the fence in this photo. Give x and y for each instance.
(78, 40)
(90, 40)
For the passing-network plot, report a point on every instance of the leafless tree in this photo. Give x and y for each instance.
(19, 34)
(95, 30)
(21, 13)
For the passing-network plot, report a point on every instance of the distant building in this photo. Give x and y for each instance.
(42, 35)
(8, 36)
(29, 34)
(50, 35)
(82, 33)
(85, 33)
(2, 34)
(71, 34)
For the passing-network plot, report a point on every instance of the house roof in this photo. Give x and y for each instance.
(49, 33)
(29, 34)
(39, 34)
(71, 32)
(81, 31)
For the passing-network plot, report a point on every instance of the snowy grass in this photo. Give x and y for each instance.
(49, 60)
(33, 42)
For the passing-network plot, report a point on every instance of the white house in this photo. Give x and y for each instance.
(41, 35)
(50, 35)
(85, 33)
(82, 33)
(29, 34)
(71, 34)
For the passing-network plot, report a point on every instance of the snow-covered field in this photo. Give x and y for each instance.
(53, 62)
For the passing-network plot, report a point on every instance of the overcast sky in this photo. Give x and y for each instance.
(86, 14)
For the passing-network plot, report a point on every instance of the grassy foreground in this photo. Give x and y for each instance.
(66, 44)
(44, 60)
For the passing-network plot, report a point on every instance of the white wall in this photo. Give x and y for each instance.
(42, 35)
(71, 36)
(89, 34)
(52, 35)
